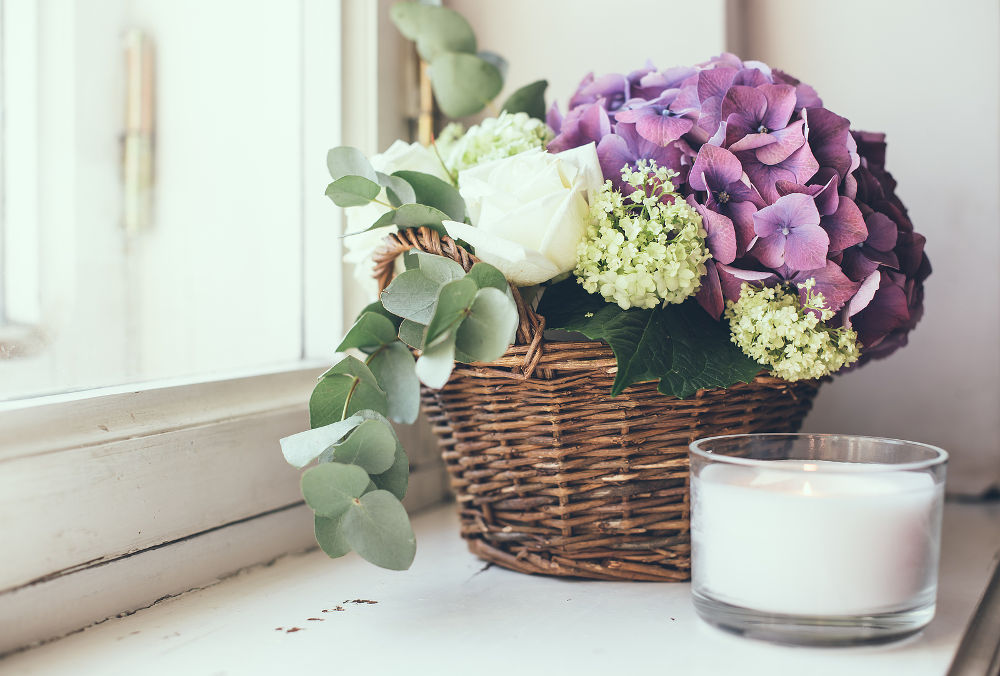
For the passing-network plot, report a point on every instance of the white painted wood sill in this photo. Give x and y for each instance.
(447, 615)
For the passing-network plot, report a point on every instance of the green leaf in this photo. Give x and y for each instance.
(497, 60)
(680, 344)
(489, 328)
(411, 295)
(347, 161)
(435, 365)
(344, 390)
(416, 215)
(439, 268)
(528, 99)
(463, 83)
(378, 528)
(394, 368)
(302, 448)
(371, 330)
(330, 536)
(485, 276)
(398, 190)
(434, 29)
(378, 308)
(352, 191)
(433, 192)
(412, 333)
(397, 477)
(330, 488)
(454, 304)
(371, 446)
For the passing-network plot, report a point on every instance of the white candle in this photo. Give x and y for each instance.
(815, 538)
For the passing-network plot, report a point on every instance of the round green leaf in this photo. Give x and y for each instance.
(485, 276)
(377, 527)
(464, 83)
(497, 60)
(352, 191)
(369, 331)
(489, 329)
(436, 363)
(398, 190)
(528, 99)
(411, 295)
(330, 536)
(433, 192)
(416, 215)
(371, 446)
(412, 333)
(438, 268)
(347, 161)
(345, 389)
(330, 488)
(397, 477)
(393, 366)
(454, 303)
(434, 29)
(302, 448)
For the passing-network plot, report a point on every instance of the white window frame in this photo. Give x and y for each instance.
(112, 499)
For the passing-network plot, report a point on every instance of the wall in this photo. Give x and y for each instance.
(928, 77)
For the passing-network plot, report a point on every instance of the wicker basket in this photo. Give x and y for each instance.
(552, 475)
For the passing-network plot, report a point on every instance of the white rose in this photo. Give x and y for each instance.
(530, 211)
(399, 156)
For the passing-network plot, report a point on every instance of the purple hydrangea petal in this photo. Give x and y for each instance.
(770, 250)
(709, 294)
(806, 247)
(731, 279)
(785, 142)
(780, 105)
(835, 286)
(716, 167)
(887, 312)
(614, 154)
(828, 134)
(863, 297)
(882, 232)
(714, 83)
(741, 214)
(747, 102)
(846, 226)
(798, 168)
(857, 265)
(554, 117)
(741, 137)
(721, 238)
(661, 129)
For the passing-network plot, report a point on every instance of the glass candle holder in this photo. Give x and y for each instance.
(814, 538)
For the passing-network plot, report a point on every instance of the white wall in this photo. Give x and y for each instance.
(928, 75)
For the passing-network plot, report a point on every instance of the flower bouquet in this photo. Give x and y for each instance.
(684, 252)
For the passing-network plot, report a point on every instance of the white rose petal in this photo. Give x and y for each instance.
(521, 266)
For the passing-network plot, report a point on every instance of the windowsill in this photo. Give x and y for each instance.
(449, 615)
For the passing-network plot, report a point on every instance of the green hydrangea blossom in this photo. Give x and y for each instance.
(772, 326)
(644, 249)
(492, 139)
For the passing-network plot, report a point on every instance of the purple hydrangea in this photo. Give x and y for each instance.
(786, 190)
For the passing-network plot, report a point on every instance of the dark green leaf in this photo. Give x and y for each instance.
(434, 29)
(433, 192)
(344, 390)
(679, 344)
(528, 99)
(412, 333)
(485, 275)
(453, 305)
(463, 83)
(416, 215)
(393, 366)
(352, 191)
(371, 446)
(371, 330)
(330, 488)
(489, 328)
(438, 268)
(378, 308)
(398, 190)
(330, 536)
(411, 295)
(378, 528)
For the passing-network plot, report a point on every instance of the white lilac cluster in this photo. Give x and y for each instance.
(645, 248)
(772, 326)
(492, 139)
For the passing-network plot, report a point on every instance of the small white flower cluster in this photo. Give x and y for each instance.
(771, 326)
(492, 139)
(643, 249)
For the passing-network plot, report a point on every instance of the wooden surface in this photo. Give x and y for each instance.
(449, 616)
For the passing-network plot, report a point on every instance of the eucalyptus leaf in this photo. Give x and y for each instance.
(394, 368)
(435, 365)
(347, 161)
(439, 268)
(397, 189)
(485, 276)
(489, 328)
(378, 528)
(352, 191)
(330, 536)
(433, 192)
(330, 488)
(371, 446)
(454, 304)
(302, 448)
(378, 308)
(528, 99)
(371, 330)
(463, 83)
(411, 295)
(416, 215)
(434, 29)
(412, 333)
(396, 478)
(497, 60)
(345, 389)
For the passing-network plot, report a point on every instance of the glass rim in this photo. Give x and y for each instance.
(940, 455)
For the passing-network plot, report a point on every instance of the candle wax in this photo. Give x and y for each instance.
(815, 538)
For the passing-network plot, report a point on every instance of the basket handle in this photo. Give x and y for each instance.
(530, 324)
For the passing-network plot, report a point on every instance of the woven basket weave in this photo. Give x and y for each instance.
(552, 475)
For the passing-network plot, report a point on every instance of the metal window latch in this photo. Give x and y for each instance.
(137, 139)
